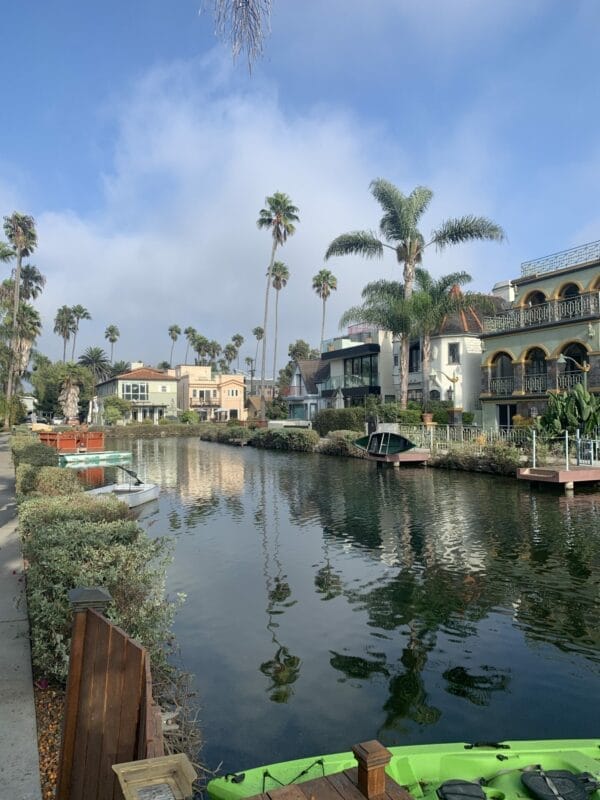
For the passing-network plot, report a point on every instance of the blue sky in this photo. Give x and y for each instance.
(145, 154)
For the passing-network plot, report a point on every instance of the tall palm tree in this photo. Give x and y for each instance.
(238, 341)
(29, 327)
(399, 232)
(189, 334)
(258, 334)
(213, 350)
(324, 283)
(230, 352)
(174, 333)
(250, 364)
(112, 333)
(79, 313)
(96, 360)
(200, 346)
(281, 276)
(20, 231)
(279, 217)
(64, 326)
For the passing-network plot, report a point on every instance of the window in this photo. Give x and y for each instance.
(395, 359)
(414, 357)
(163, 388)
(214, 392)
(194, 392)
(134, 391)
(454, 353)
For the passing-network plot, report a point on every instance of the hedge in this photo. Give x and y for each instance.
(48, 481)
(339, 419)
(298, 440)
(40, 512)
(25, 450)
(341, 443)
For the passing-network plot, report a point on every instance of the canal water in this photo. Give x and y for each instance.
(330, 602)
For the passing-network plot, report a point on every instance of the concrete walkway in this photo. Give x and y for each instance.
(19, 766)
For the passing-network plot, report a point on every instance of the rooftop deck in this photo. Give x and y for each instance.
(573, 257)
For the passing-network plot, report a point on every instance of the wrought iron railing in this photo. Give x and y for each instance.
(580, 307)
(535, 383)
(569, 379)
(502, 386)
(565, 258)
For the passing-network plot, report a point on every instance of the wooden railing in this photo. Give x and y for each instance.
(110, 716)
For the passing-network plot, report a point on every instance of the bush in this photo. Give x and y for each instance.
(117, 555)
(409, 416)
(341, 443)
(40, 512)
(468, 417)
(499, 458)
(233, 433)
(25, 450)
(48, 481)
(189, 418)
(339, 419)
(291, 439)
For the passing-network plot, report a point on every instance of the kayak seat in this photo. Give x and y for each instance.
(559, 784)
(461, 790)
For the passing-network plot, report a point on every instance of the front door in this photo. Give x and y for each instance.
(505, 413)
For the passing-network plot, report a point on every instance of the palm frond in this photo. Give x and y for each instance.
(419, 200)
(464, 229)
(398, 221)
(363, 243)
(245, 24)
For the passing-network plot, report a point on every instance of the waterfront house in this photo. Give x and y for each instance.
(548, 340)
(213, 395)
(151, 392)
(302, 395)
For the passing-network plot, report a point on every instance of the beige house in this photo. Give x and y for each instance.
(213, 395)
(152, 393)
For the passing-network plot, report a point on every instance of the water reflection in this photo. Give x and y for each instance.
(403, 604)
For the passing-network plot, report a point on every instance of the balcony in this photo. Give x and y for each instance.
(535, 383)
(348, 382)
(502, 387)
(584, 254)
(570, 379)
(584, 306)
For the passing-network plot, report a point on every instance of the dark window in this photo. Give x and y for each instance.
(414, 357)
(454, 353)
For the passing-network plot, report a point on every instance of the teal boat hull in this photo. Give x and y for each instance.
(421, 769)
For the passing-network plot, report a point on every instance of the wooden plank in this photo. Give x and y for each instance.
(130, 707)
(78, 776)
(345, 783)
(71, 706)
(320, 789)
(394, 791)
(97, 717)
(291, 792)
(112, 718)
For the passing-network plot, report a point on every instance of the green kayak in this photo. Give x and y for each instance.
(498, 770)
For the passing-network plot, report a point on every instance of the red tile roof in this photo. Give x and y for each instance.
(145, 374)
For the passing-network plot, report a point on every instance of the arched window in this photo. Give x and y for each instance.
(434, 394)
(569, 290)
(535, 380)
(502, 380)
(535, 299)
(575, 366)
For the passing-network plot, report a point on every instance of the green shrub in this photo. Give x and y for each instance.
(300, 440)
(468, 417)
(47, 481)
(341, 443)
(409, 416)
(499, 458)
(39, 512)
(189, 418)
(339, 419)
(234, 433)
(116, 555)
(26, 450)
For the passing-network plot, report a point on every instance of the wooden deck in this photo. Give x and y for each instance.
(368, 781)
(560, 477)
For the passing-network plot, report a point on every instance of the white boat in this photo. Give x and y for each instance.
(134, 493)
(130, 493)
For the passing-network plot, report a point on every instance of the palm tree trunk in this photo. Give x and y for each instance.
(426, 365)
(171, 358)
(13, 355)
(322, 324)
(74, 340)
(275, 340)
(264, 347)
(64, 349)
(112, 347)
(409, 278)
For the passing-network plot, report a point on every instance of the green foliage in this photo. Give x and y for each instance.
(574, 410)
(49, 378)
(190, 418)
(499, 458)
(27, 450)
(300, 440)
(409, 416)
(276, 409)
(117, 555)
(337, 419)
(112, 416)
(44, 512)
(341, 443)
(468, 417)
(46, 481)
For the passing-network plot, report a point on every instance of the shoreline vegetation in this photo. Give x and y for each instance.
(70, 539)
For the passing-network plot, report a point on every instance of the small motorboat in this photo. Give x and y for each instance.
(134, 493)
(384, 446)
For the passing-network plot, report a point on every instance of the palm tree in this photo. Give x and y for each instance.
(399, 232)
(258, 333)
(96, 360)
(229, 352)
(29, 327)
(19, 229)
(213, 350)
(200, 345)
(189, 334)
(324, 283)
(281, 276)
(238, 341)
(64, 326)
(79, 313)
(174, 334)
(112, 333)
(74, 378)
(32, 282)
(119, 367)
(279, 217)
(250, 365)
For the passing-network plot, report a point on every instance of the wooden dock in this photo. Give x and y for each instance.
(368, 780)
(409, 457)
(566, 478)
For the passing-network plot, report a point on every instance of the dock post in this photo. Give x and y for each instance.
(372, 759)
(566, 450)
(533, 450)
